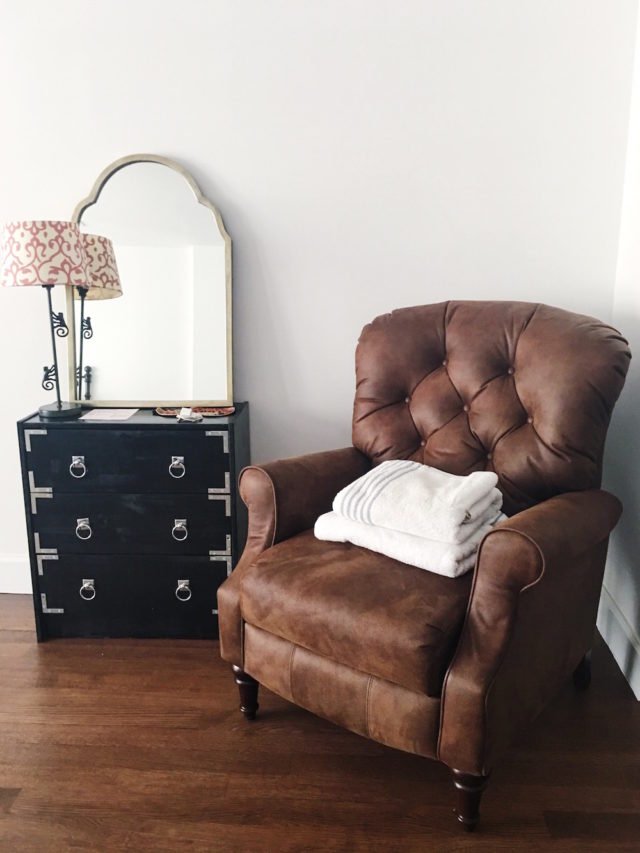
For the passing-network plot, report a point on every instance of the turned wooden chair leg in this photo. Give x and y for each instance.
(582, 673)
(248, 688)
(469, 791)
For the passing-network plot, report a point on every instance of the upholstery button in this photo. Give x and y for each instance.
(529, 420)
(489, 456)
(510, 371)
(422, 443)
(465, 408)
(445, 362)
(407, 399)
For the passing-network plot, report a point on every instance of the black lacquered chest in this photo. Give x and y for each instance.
(132, 525)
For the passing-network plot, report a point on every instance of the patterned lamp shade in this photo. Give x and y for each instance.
(43, 253)
(103, 271)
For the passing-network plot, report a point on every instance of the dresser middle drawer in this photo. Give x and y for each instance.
(132, 524)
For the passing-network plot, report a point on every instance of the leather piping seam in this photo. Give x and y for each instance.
(291, 657)
(366, 706)
(242, 628)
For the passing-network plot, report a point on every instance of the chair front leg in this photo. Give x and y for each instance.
(469, 791)
(248, 688)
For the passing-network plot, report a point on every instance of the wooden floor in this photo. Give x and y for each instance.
(138, 745)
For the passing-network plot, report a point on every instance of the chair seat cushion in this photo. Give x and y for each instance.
(358, 608)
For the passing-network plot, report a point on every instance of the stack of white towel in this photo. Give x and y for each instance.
(416, 514)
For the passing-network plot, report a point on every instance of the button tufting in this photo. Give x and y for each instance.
(465, 408)
(422, 443)
(445, 362)
(489, 456)
(529, 420)
(510, 371)
(407, 399)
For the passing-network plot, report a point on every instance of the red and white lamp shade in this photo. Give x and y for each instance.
(43, 253)
(103, 269)
(47, 254)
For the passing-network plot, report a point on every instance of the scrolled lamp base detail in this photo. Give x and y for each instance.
(50, 379)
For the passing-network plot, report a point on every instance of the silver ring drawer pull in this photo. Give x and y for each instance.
(88, 589)
(83, 529)
(77, 469)
(177, 469)
(183, 591)
(180, 531)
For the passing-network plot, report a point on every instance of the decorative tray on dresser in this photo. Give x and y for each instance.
(133, 525)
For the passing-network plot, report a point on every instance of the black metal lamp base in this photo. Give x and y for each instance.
(60, 410)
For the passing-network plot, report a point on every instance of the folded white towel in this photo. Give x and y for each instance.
(414, 498)
(439, 557)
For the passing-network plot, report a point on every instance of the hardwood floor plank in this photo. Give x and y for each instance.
(139, 745)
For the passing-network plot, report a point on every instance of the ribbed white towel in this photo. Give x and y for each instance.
(414, 498)
(439, 557)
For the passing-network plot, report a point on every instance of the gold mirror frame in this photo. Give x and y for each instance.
(90, 200)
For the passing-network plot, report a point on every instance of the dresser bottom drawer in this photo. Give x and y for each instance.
(129, 596)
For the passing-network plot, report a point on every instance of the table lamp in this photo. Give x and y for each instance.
(104, 283)
(46, 253)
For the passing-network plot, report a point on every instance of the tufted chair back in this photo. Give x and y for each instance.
(523, 389)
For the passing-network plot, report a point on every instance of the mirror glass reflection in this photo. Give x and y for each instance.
(165, 339)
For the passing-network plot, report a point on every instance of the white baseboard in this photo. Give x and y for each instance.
(15, 574)
(621, 638)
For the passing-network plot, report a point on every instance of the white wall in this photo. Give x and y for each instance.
(365, 155)
(619, 616)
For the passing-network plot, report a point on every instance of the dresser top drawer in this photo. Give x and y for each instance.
(120, 460)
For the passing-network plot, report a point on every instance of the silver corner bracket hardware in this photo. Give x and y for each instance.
(34, 497)
(225, 489)
(39, 548)
(40, 558)
(45, 609)
(227, 502)
(27, 437)
(37, 492)
(220, 433)
(227, 548)
(227, 560)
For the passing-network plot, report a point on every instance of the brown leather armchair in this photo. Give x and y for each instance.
(448, 668)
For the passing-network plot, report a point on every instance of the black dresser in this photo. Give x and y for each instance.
(133, 525)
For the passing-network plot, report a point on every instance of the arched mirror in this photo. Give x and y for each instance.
(167, 340)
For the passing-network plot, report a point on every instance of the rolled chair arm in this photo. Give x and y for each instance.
(284, 498)
(530, 619)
